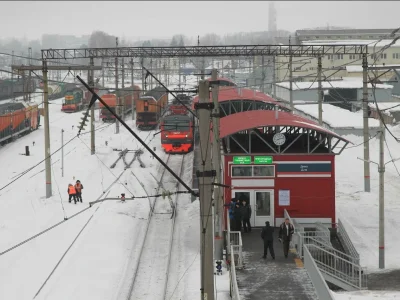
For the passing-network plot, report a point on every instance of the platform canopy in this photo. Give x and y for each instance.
(252, 132)
(234, 100)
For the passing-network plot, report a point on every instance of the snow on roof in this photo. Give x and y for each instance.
(337, 117)
(351, 69)
(387, 106)
(353, 83)
(370, 43)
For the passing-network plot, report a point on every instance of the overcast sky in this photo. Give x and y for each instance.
(163, 19)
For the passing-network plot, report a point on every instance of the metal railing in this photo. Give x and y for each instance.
(235, 244)
(337, 267)
(316, 277)
(323, 233)
(234, 289)
(346, 241)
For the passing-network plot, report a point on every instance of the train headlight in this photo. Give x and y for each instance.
(186, 135)
(166, 135)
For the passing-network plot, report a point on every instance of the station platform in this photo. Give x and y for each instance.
(279, 279)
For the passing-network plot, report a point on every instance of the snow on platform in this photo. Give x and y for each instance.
(386, 106)
(335, 116)
(350, 83)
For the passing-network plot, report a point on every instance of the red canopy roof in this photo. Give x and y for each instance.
(233, 93)
(260, 118)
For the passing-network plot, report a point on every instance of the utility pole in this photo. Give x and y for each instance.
(205, 188)
(179, 70)
(216, 160)
(291, 83)
(262, 74)
(143, 78)
(274, 75)
(367, 183)
(46, 131)
(62, 152)
(133, 92)
(30, 73)
(12, 76)
(123, 86)
(381, 171)
(92, 131)
(102, 73)
(116, 92)
(319, 90)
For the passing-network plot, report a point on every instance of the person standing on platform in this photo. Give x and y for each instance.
(246, 215)
(286, 231)
(267, 234)
(231, 208)
(237, 217)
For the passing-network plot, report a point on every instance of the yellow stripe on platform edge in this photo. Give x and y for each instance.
(299, 263)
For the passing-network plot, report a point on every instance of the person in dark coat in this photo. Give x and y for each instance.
(286, 231)
(237, 217)
(231, 208)
(267, 234)
(246, 215)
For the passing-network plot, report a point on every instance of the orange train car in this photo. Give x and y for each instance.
(150, 107)
(17, 119)
(126, 100)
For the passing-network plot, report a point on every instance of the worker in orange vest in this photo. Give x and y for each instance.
(78, 188)
(71, 193)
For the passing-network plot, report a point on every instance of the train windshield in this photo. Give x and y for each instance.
(177, 123)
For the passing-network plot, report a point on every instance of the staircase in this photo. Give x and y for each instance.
(338, 268)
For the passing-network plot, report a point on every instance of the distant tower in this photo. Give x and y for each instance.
(272, 28)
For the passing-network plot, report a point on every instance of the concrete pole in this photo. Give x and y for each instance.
(382, 198)
(116, 94)
(62, 152)
(92, 130)
(291, 83)
(262, 74)
(123, 86)
(367, 183)
(102, 73)
(133, 92)
(216, 160)
(274, 80)
(179, 70)
(46, 131)
(319, 90)
(205, 188)
(143, 78)
(12, 76)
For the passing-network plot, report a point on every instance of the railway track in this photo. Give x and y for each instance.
(153, 263)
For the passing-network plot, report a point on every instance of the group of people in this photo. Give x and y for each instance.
(286, 231)
(239, 214)
(75, 192)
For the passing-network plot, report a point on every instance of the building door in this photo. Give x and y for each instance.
(263, 207)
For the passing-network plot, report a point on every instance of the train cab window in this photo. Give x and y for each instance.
(146, 106)
(263, 171)
(242, 171)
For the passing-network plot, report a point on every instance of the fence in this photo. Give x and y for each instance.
(316, 277)
(346, 241)
(234, 289)
(337, 267)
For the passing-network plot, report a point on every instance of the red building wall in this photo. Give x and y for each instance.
(310, 197)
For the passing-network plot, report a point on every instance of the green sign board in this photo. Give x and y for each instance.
(242, 160)
(262, 160)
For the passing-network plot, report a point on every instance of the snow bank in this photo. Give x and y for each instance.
(360, 210)
(337, 117)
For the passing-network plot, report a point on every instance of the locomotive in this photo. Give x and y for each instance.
(177, 132)
(149, 108)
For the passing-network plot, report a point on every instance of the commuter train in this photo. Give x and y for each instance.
(177, 108)
(17, 119)
(126, 99)
(150, 107)
(177, 132)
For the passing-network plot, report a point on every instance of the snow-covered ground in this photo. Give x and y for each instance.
(336, 116)
(367, 295)
(108, 234)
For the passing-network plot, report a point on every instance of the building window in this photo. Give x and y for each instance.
(383, 55)
(263, 171)
(395, 55)
(253, 171)
(242, 171)
(352, 56)
(339, 56)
